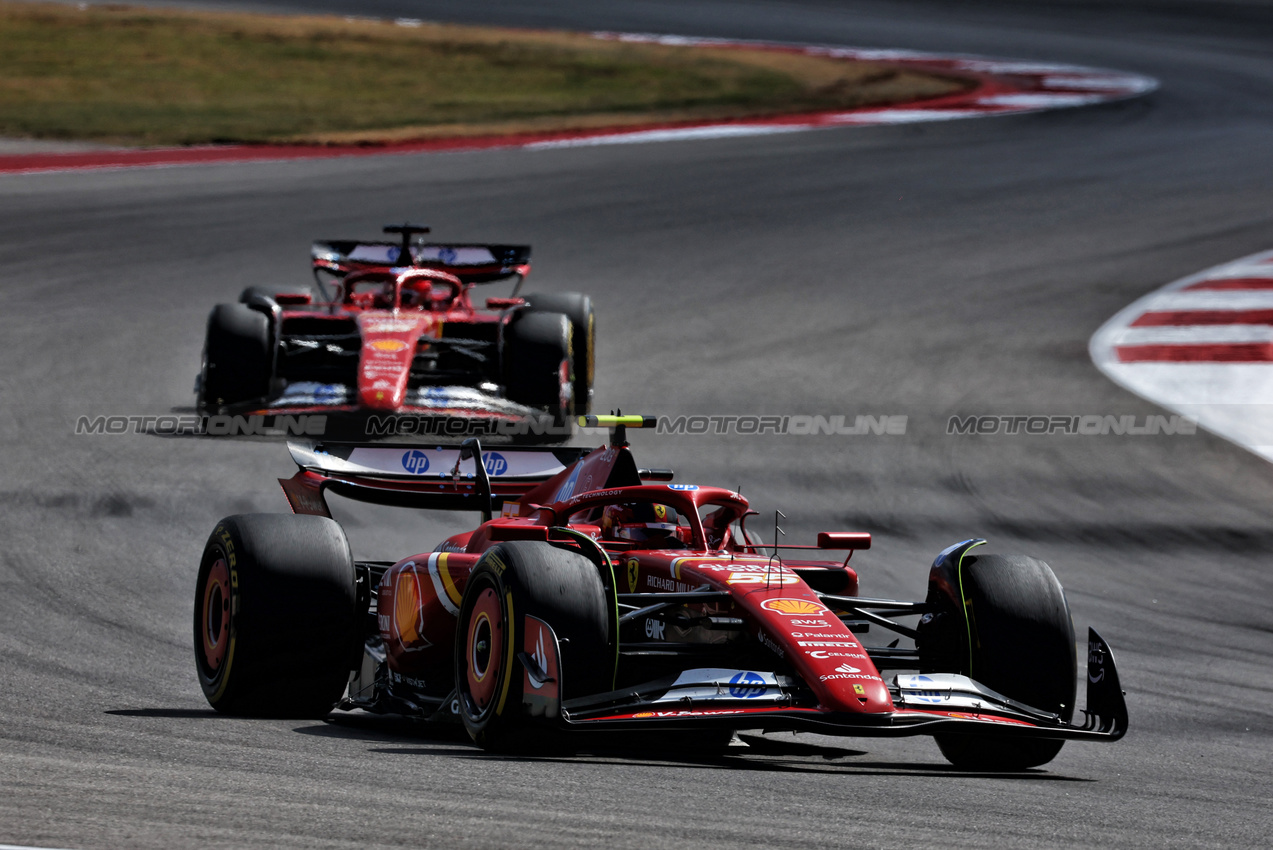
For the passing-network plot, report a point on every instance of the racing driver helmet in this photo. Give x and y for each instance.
(648, 523)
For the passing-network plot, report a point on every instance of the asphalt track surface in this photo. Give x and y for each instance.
(924, 270)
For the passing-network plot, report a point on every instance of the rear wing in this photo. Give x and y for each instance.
(470, 263)
(417, 476)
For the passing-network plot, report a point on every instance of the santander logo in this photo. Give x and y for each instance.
(848, 668)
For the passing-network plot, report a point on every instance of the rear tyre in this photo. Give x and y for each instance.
(577, 307)
(1019, 641)
(275, 625)
(237, 357)
(511, 582)
(538, 364)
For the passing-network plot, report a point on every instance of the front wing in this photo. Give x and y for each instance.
(459, 401)
(926, 705)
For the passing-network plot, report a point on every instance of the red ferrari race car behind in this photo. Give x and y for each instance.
(391, 329)
(597, 600)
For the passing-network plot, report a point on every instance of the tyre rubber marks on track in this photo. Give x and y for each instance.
(1005, 87)
(1202, 347)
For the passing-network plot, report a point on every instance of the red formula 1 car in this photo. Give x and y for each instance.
(597, 601)
(392, 330)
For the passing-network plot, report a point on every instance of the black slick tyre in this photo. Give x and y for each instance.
(514, 581)
(537, 362)
(576, 307)
(237, 357)
(275, 622)
(1018, 641)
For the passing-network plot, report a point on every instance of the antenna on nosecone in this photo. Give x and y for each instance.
(777, 531)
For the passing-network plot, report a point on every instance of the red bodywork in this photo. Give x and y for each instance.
(354, 346)
(393, 332)
(418, 598)
(827, 676)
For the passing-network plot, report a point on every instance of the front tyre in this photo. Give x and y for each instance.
(1017, 638)
(275, 625)
(514, 581)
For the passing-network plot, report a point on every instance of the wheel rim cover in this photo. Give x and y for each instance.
(484, 647)
(565, 390)
(215, 615)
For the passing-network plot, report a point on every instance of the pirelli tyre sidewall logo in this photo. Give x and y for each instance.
(231, 561)
(495, 562)
(794, 607)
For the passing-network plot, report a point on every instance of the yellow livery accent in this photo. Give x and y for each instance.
(511, 632)
(608, 421)
(448, 584)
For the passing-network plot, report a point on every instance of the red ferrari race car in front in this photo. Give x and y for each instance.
(603, 598)
(392, 330)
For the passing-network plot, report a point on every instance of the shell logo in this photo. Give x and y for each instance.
(389, 346)
(407, 610)
(793, 607)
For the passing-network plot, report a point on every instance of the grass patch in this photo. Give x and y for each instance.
(160, 77)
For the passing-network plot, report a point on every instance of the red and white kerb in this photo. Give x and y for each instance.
(1202, 347)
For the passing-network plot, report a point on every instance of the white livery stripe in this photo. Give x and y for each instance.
(438, 587)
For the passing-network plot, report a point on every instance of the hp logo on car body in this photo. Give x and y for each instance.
(747, 685)
(495, 463)
(415, 461)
